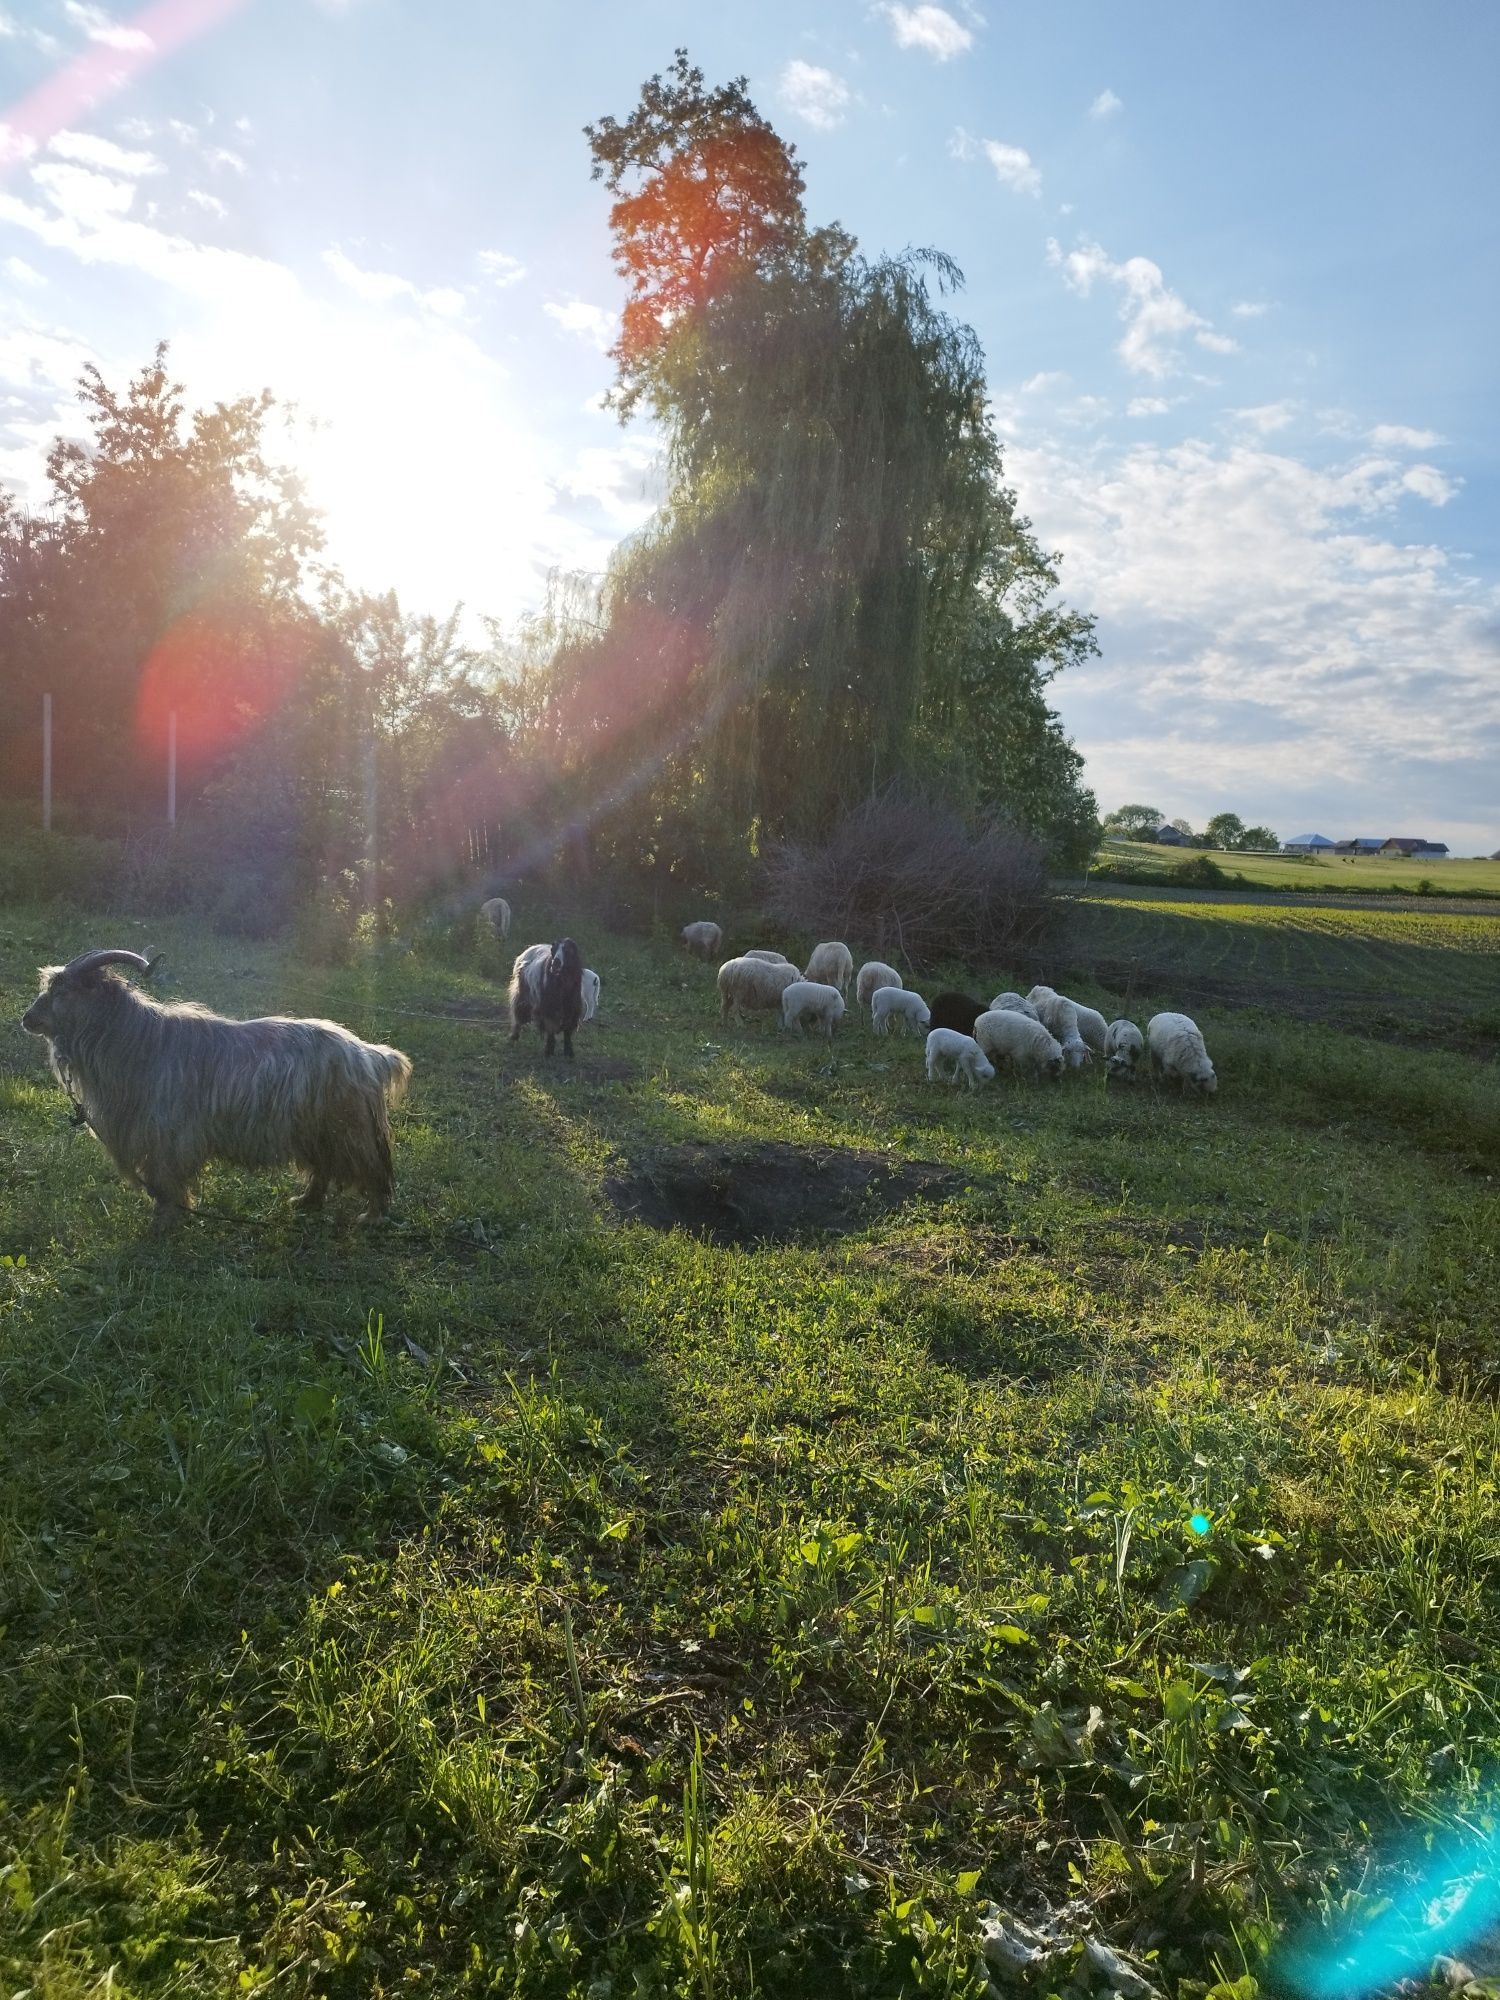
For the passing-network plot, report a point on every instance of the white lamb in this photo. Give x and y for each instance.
(590, 994)
(1177, 1051)
(752, 985)
(893, 1005)
(1124, 1045)
(831, 965)
(496, 913)
(873, 975)
(951, 1055)
(1015, 1003)
(704, 937)
(1060, 1017)
(1016, 1041)
(806, 1000)
(1093, 1028)
(770, 957)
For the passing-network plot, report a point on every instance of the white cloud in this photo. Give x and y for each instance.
(591, 323)
(622, 480)
(1249, 309)
(1267, 632)
(1013, 166)
(1105, 105)
(1265, 418)
(384, 288)
(1429, 484)
(1217, 343)
(21, 273)
(1401, 437)
(1148, 406)
(87, 149)
(103, 28)
(209, 203)
(500, 268)
(1155, 317)
(814, 94)
(221, 156)
(932, 29)
(81, 196)
(1048, 379)
(14, 145)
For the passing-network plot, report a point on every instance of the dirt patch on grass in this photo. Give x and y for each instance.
(768, 1192)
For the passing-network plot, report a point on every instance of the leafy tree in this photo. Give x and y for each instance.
(1259, 837)
(1225, 829)
(1184, 827)
(1134, 822)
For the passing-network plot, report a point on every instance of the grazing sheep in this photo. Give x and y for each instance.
(958, 1011)
(805, 1000)
(770, 957)
(752, 985)
(892, 1004)
(1016, 1041)
(1059, 1017)
(496, 913)
(1124, 1045)
(1177, 1051)
(831, 965)
(590, 994)
(546, 986)
(1093, 1028)
(873, 975)
(166, 1089)
(945, 1047)
(1016, 1003)
(704, 937)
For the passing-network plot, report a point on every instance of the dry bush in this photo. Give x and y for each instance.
(907, 879)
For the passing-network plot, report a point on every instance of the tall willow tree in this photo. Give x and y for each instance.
(838, 575)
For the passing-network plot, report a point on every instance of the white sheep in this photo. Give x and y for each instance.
(590, 994)
(704, 937)
(806, 1000)
(892, 1004)
(1093, 1027)
(496, 913)
(873, 975)
(1177, 1051)
(831, 965)
(1059, 1017)
(1124, 1045)
(1015, 1003)
(770, 957)
(952, 1055)
(1018, 1042)
(752, 985)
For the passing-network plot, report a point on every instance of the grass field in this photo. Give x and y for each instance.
(1069, 1507)
(1339, 874)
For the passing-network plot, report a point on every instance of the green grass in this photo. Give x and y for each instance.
(506, 1600)
(1337, 874)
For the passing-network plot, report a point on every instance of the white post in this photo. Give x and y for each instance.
(46, 763)
(171, 767)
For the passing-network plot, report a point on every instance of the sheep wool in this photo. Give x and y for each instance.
(1017, 1041)
(805, 1000)
(496, 914)
(590, 994)
(898, 1006)
(752, 985)
(873, 975)
(704, 937)
(831, 965)
(1178, 1053)
(1093, 1027)
(1124, 1045)
(1015, 1003)
(1059, 1017)
(956, 1058)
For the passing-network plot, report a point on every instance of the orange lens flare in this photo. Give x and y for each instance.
(221, 685)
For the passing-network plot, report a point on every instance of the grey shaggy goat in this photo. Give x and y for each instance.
(166, 1089)
(546, 986)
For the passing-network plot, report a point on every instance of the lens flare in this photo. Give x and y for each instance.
(1453, 1901)
(220, 683)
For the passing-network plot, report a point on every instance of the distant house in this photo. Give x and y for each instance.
(1308, 843)
(1414, 849)
(1170, 836)
(1372, 846)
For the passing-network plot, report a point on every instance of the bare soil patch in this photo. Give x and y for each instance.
(770, 1192)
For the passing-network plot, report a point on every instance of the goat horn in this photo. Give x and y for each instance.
(90, 961)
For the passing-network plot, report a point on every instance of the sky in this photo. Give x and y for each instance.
(1234, 272)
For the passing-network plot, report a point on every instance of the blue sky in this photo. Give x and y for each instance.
(1235, 274)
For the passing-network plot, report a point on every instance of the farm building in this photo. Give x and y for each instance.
(1370, 846)
(1422, 850)
(1308, 843)
(1170, 836)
